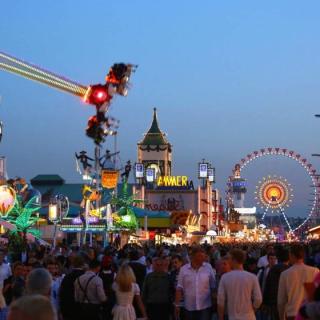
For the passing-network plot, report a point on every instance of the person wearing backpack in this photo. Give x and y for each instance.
(89, 293)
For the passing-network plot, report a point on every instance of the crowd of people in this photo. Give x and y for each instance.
(163, 282)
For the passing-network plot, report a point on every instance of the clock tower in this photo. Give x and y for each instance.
(154, 151)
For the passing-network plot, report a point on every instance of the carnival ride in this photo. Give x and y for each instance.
(99, 95)
(99, 127)
(276, 193)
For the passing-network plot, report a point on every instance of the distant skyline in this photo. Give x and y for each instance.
(227, 78)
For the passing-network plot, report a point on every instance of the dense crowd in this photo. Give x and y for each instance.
(162, 282)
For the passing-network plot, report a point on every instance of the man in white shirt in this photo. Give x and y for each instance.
(291, 291)
(196, 281)
(239, 290)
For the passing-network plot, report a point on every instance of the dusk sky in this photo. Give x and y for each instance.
(227, 77)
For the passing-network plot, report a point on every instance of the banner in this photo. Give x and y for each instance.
(109, 179)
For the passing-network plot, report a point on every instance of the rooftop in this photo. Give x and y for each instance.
(154, 136)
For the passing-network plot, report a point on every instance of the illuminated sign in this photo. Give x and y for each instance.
(172, 181)
(211, 174)
(139, 170)
(203, 170)
(109, 178)
(150, 175)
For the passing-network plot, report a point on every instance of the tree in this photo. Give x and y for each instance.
(126, 217)
(23, 217)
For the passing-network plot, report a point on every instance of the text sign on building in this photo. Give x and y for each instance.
(172, 181)
(139, 170)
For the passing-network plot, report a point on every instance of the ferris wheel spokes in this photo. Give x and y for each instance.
(285, 218)
(266, 211)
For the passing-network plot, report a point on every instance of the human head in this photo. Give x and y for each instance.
(269, 249)
(283, 256)
(272, 259)
(26, 270)
(157, 264)
(198, 256)
(296, 253)
(106, 263)
(17, 269)
(91, 254)
(33, 307)
(125, 278)
(177, 262)
(238, 258)
(53, 268)
(134, 255)
(77, 262)
(94, 265)
(225, 264)
(39, 281)
(166, 263)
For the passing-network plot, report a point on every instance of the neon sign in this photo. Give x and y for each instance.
(172, 181)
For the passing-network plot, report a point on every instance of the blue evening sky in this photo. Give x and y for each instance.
(227, 77)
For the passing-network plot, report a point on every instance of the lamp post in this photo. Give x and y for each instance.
(53, 217)
(58, 209)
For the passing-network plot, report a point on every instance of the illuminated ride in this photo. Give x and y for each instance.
(99, 95)
(276, 189)
(274, 195)
(99, 126)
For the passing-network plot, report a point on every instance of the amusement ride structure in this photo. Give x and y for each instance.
(99, 127)
(274, 194)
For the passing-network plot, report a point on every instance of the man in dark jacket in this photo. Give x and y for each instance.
(138, 268)
(68, 306)
(157, 292)
(270, 293)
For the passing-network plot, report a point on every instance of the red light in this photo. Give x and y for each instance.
(98, 95)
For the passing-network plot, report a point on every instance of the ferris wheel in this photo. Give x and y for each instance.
(274, 194)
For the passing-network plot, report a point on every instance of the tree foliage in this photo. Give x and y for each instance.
(125, 217)
(23, 217)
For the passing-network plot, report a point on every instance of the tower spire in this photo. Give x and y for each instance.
(155, 125)
(154, 136)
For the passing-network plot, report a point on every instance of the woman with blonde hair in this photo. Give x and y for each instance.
(126, 289)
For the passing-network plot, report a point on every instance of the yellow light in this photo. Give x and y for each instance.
(53, 212)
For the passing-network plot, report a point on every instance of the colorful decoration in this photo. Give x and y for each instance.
(90, 193)
(7, 199)
(274, 193)
(24, 217)
(109, 178)
(125, 217)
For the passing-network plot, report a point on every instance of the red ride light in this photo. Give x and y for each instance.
(100, 95)
(97, 95)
